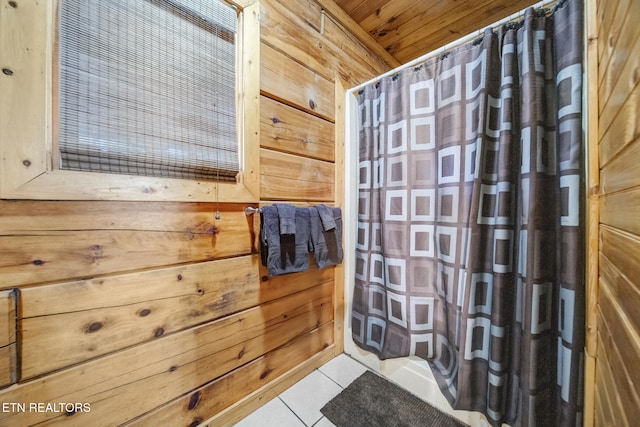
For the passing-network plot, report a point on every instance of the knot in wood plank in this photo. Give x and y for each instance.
(193, 401)
(94, 327)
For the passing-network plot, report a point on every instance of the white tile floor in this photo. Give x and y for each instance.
(299, 406)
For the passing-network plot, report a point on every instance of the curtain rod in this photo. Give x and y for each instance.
(453, 44)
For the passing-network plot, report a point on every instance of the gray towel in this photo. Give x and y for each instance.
(284, 253)
(326, 217)
(326, 244)
(287, 215)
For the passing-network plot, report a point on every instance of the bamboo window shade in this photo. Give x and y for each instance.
(148, 87)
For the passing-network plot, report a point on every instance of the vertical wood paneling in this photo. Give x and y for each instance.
(8, 368)
(340, 171)
(593, 213)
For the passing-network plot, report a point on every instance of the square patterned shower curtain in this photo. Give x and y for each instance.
(470, 237)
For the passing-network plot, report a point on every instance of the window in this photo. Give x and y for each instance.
(148, 87)
(47, 150)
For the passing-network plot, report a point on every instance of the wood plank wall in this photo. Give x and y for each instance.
(617, 394)
(156, 313)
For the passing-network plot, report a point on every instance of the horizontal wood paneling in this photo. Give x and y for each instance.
(623, 130)
(375, 51)
(327, 50)
(295, 30)
(287, 177)
(253, 401)
(289, 130)
(622, 249)
(287, 81)
(625, 292)
(348, 52)
(622, 210)
(617, 396)
(171, 366)
(610, 410)
(63, 253)
(622, 339)
(620, 174)
(26, 215)
(114, 313)
(221, 393)
(608, 31)
(624, 34)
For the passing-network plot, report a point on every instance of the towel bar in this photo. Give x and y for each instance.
(250, 210)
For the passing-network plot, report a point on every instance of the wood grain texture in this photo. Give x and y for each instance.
(27, 128)
(409, 29)
(328, 50)
(622, 249)
(7, 317)
(624, 129)
(163, 369)
(608, 31)
(623, 36)
(621, 347)
(622, 210)
(287, 81)
(346, 21)
(620, 174)
(26, 54)
(288, 177)
(221, 393)
(289, 130)
(8, 366)
(610, 410)
(616, 393)
(66, 242)
(593, 207)
(623, 298)
(340, 173)
(253, 401)
(114, 313)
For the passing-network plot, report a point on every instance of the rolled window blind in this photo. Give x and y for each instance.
(147, 87)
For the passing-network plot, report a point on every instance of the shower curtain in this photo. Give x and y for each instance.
(470, 240)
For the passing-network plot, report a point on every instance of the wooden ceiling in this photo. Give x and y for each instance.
(408, 29)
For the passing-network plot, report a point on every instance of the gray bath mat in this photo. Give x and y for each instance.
(372, 401)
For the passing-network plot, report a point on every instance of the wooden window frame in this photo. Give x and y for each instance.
(28, 128)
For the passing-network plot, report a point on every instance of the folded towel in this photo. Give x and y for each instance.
(326, 217)
(284, 253)
(326, 244)
(287, 214)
